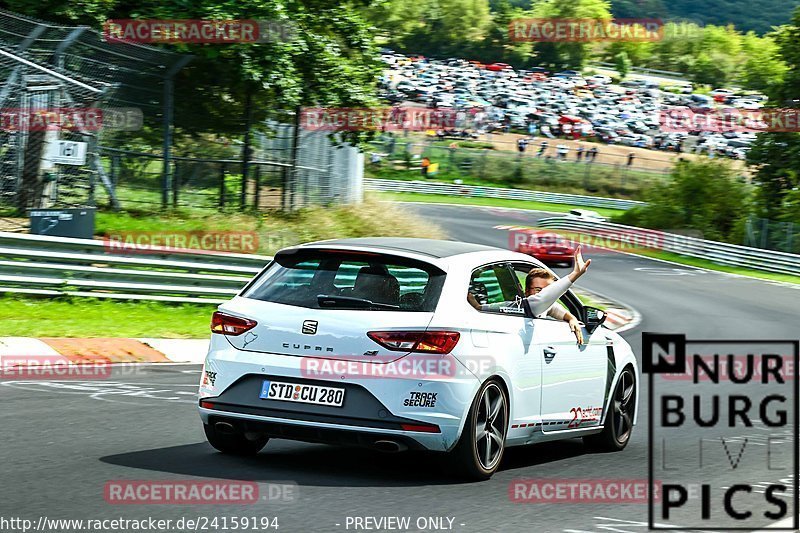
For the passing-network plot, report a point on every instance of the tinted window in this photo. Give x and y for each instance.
(494, 287)
(320, 279)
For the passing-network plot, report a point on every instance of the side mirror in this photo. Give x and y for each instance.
(593, 318)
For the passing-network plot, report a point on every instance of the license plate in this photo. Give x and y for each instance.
(293, 392)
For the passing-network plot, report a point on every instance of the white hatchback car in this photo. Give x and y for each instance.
(372, 342)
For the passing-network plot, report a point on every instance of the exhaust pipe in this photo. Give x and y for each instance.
(224, 428)
(390, 446)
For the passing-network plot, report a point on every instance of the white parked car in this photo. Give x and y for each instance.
(372, 342)
(600, 79)
(721, 92)
(750, 105)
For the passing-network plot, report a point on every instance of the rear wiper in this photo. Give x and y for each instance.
(326, 300)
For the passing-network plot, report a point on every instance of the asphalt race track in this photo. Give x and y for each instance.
(63, 441)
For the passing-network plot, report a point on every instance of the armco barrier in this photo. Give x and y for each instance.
(52, 266)
(717, 252)
(474, 191)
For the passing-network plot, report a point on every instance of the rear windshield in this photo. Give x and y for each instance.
(332, 279)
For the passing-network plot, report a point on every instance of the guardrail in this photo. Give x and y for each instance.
(474, 191)
(678, 76)
(717, 252)
(53, 266)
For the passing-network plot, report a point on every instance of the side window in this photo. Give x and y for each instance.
(494, 288)
(568, 302)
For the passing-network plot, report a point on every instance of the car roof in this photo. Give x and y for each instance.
(431, 247)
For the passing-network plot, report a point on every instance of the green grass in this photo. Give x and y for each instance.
(703, 263)
(90, 317)
(276, 230)
(491, 202)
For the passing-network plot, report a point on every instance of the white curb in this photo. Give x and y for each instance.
(180, 350)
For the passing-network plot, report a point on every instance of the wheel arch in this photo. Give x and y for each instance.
(628, 364)
(504, 384)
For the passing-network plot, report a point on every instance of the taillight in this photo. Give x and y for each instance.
(416, 341)
(230, 325)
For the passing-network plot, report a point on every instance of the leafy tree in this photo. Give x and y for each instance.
(332, 59)
(704, 195)
(568, 54)
(639, 53)
(435, 27)
(497, 46)
(763, 68)
(777, 155)
(622, 64)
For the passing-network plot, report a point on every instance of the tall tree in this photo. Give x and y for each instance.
(331, 59)
(568, 54)
(777, 155)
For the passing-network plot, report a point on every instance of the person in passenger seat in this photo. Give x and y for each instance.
(543, 291)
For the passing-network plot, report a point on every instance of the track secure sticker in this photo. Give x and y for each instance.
(420, 399)
(210, 378)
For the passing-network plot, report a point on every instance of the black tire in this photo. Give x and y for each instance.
(470, 459)
(235, 443)
(619, 421)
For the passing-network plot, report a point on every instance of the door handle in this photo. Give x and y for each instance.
(549, 354)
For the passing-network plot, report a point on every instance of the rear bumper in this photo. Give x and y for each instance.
(374, 407)
(319, 433)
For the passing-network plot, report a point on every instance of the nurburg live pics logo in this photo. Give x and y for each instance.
(732, 431)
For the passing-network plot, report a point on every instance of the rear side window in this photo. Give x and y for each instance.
(333, 279)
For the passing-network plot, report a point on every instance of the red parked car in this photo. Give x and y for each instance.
(549, 248)
(497, 67)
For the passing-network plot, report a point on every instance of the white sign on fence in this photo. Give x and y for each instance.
(66, 152)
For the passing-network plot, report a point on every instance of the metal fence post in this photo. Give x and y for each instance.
(257, 195)
(295, 146)
(222, 172)
(246, 149)
(167, 118)
(175, 184)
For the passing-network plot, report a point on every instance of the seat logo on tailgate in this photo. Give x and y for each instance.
(309, 327)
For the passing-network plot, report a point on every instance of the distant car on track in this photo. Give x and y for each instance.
(586, 214)
(547, 247)
(372, 342)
